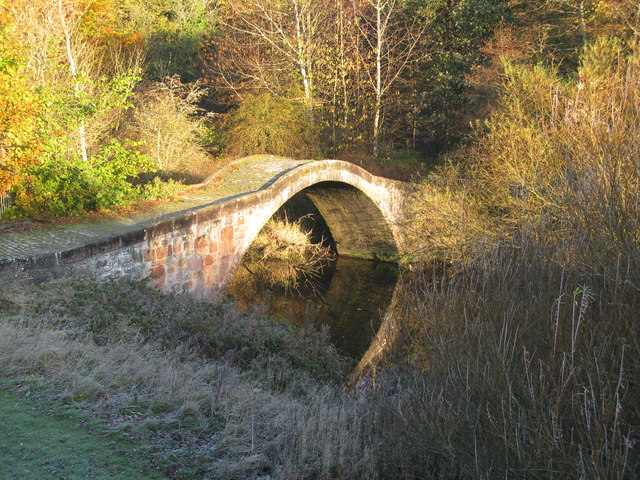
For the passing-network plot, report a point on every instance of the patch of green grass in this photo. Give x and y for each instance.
(38, 443)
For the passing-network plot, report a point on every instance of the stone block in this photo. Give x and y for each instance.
(226, 235)
(201, 244)
(208, 260)
(194, 264)
(157, 272)
(160, 252)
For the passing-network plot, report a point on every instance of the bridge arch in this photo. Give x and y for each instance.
(361, 216)
(200, 252)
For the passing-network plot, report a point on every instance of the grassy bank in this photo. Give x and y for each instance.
(212, 390)
(44, 438)
(517, 367)
(530, 369)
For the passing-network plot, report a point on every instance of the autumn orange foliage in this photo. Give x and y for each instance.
(18, 112)
(99, 23)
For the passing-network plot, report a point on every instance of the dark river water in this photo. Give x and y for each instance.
(349, 296)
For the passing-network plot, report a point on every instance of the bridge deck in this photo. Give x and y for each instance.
(240, 178)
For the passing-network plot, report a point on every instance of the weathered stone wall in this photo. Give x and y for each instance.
(357, 225)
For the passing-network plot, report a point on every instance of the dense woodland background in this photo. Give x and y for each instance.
(96, 92)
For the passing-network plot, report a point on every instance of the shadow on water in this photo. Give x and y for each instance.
(349, 296)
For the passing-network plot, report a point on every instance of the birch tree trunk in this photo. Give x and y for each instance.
(393, 48)
(380, 37)
(74, 72)
(302, 47)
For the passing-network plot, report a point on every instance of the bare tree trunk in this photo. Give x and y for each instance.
(343, 66)
(74, 73)
(302, 54)
(378, 86)
(583, 24)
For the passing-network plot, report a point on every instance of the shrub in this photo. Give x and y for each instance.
(447, 223)
(67, 185)
(266, 124)
(561, 156)
(167, 123)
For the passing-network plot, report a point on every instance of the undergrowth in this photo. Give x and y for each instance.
(283, 254)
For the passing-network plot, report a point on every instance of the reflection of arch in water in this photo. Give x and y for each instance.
(350, 297)
(387, 338)
(358, 296)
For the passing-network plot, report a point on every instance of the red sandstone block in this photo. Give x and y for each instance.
(226, 235)
(201, 244)
(224, 263)
(160, 252)
(157, 272)
(207, 260)
(195, 264)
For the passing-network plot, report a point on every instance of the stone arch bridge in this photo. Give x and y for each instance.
(195, 244)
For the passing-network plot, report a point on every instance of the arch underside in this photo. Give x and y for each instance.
(357, 225)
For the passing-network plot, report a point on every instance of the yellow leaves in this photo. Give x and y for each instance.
(18, 112)
(5, 16)
(18, 122)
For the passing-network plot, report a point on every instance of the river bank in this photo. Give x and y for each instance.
(507, 355)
